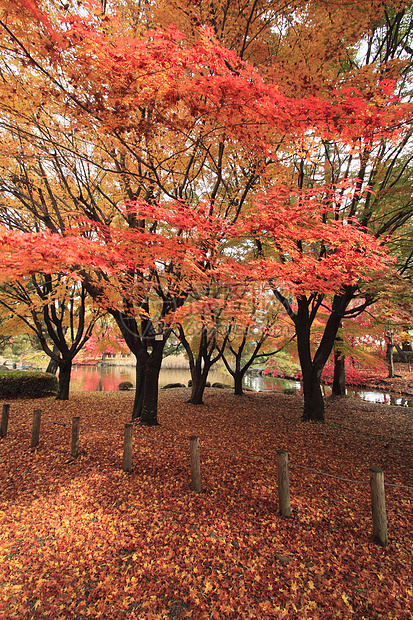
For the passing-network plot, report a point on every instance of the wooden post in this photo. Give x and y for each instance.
(35, 428)
(4, 420)
(283, 483)
(378, 506)
(127, 448)
(74, 450)
(195, 464)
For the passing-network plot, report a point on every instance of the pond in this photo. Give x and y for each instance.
(107, 378)
(259, 383)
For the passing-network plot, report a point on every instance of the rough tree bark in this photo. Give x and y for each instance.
(148, 351)
(65, 369)
(312, 366)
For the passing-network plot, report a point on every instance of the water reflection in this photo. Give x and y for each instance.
(107, 379)
(381, 398)
(261, 383)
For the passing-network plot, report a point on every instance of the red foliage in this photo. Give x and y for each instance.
(82, 539)
(356, 374)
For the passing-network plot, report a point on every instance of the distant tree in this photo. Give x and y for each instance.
(55, 309)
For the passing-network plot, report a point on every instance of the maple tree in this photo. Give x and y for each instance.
(381, 166)
(105, 339)
(148, 362)
(256, 331)
(320, 266)
(385, 170)
(55, 310)
(163, 139)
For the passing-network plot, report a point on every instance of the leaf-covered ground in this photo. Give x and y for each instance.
(82, 539)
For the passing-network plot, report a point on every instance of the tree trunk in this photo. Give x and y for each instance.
(389, 355)
(312, 368)
(145, 405)
(313, 396)
(151, 366)
(339, 379)
(65, 369)
(148, 352)
(137, 403)
(199, 380)
(400, 351)
(199, 366)
(52, 367)
(238, 377)
(197, 392)
(149, 412)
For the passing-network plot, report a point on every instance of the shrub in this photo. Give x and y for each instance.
(221, 386)
(20, 384)
(356, 373)
(125, 385)
(283, 365)
(169, 386)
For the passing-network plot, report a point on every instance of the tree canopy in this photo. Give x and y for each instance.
(205, 144)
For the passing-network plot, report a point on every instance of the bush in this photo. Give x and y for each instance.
(221, 386)
(169, 386)
(20, 384)
(283, 365)
(125, 385)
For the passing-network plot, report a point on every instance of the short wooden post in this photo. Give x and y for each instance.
(4, 420)
(127, 448)
(283, 484)
(35, 428)
(195, 464)
(378, 506)
(74, 450)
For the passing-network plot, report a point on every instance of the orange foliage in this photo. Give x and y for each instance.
(82, 539)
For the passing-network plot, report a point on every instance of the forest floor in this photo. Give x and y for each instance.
(80, 538)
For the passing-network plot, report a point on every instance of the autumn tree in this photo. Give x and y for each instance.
(203, 333)
(257, 331)
(384, 167)
(303, 62)
(56, 310)
(315, 263)
(172, 119)
(154, 142)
